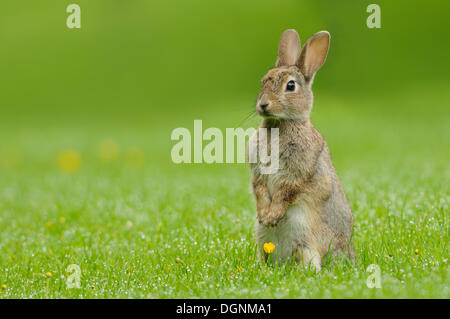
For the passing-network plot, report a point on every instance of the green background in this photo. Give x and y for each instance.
(138, 69)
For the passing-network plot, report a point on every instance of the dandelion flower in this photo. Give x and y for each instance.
(416, 251)
(69, 161)
(48, 274)
(269, 248)
(4, 287)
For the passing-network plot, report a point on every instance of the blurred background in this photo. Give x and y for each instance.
(138, 69)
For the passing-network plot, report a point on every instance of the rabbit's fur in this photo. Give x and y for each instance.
(301, 208)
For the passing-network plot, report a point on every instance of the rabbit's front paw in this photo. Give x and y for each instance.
(272, 218)
(262, 213)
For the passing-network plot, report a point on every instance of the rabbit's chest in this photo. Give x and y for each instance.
(289, 166)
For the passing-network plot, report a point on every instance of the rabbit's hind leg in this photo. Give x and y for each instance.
(308, 257)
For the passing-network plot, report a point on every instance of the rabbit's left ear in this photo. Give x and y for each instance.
(314, 54)
(288, 49)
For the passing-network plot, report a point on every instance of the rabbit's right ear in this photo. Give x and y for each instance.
(314, 54)
(288, 49)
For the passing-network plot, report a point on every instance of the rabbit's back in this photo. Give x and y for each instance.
(336, 215)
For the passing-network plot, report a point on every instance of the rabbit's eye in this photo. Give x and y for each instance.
(290, 86)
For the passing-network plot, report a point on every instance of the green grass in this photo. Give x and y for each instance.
(185, 231)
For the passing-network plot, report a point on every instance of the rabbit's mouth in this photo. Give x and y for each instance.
(265, 113)
(268, 115)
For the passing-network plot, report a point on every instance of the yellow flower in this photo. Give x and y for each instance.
(4, 287)
(108, 151)
(62, 220)
(69, 161)
(416, 251)
(48, 224)
(239, 268)
(48, 274)
(269, 248)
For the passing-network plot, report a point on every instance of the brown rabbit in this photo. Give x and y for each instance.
(301, 208)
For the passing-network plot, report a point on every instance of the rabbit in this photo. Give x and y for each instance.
(301, 208)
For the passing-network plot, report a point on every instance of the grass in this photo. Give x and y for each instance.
(152, 229)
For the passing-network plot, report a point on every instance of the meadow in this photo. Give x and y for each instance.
(140, 226)
(86, 176)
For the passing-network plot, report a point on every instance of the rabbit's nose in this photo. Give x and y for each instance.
(264, 102)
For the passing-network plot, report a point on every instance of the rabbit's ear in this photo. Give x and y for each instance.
(288, 49)
(314, 54)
